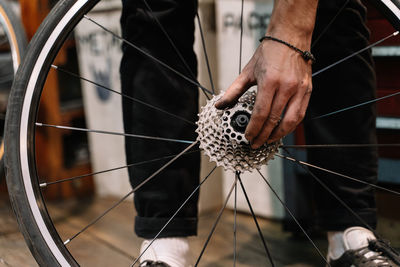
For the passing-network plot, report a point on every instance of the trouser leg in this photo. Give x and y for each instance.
(349, 83)
(148, 81)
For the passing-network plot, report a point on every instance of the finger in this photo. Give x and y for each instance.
(262, 107)
(235, 91)
(294, 115)
(306, 100)
(278, 105)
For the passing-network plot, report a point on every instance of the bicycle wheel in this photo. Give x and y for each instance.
(21, 123)
(13, 43)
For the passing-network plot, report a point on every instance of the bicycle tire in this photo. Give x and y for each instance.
(16, 35)
(42, 241)
(26, 198)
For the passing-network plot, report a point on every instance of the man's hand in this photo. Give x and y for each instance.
(283, 77)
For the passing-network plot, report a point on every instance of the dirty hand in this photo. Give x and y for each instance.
(283, 78)
(282, 75)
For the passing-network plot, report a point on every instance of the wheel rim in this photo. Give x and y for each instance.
(29, 175)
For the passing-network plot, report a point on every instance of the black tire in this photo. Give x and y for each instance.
(26, 198)
(17, 40)
(46, 252)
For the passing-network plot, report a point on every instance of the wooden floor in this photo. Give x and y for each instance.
(111, 241)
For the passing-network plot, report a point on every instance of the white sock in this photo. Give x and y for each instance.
(173, 251)
(352, 238)
(336, 246)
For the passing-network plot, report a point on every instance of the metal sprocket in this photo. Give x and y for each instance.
(221, 136)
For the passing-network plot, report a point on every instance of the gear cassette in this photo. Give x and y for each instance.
(221, 136)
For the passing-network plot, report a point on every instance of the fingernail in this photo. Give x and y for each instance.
(253, 145)
(219, 104)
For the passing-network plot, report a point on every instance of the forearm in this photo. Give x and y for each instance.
(293, 21)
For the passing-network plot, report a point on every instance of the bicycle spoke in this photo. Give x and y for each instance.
(234, 226)
(98, 218)
(119, 93)
(174, 47)
(354, 54)
(340, 146)
(357, 105)
(164, 166)
(110, 170)
(174, 215)
(215, 223)
(346, 58)
(205, 53)
(148, 55)
(361, 220)
(255, 220)
(329, 24)
(237, 174)
(113, 133)
(337, 174)
(241, 37)
(130, 193)
(293, 217)
(340, 201)
(172, 43)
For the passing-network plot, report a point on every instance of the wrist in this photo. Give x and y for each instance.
(290, 31)
(302, 40)
(307, 55)
(293, 21)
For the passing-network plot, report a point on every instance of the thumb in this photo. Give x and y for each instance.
(234, 92)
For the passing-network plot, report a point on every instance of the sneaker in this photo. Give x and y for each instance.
(362, 249)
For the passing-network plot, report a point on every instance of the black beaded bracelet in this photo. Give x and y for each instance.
(305, 54)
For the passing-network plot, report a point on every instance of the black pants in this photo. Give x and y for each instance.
(150, 82)
(349, 83)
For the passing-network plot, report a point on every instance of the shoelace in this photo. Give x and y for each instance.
(383, 254)
(384, 248)
(377, 259)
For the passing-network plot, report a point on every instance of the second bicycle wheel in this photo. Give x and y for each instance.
(12, 48)
(25, 185)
